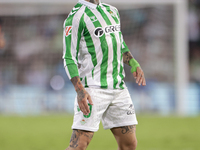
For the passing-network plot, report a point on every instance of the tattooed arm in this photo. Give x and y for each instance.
(138, 74)
(82, 95)
(127, 57)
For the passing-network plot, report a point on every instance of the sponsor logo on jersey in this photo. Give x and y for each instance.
(131, 110)
(68, 30)
(99, 32)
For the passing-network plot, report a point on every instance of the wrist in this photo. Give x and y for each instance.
(79, 88)
(134, 64)
(77, 84)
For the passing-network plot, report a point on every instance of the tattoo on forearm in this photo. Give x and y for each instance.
(78, 87)
(74, 141)
(128, 129)
(80, 95)
(127, 57)
(76, 82)
(81, 92)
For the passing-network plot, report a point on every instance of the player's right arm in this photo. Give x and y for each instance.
(73, 28)
(82, 95)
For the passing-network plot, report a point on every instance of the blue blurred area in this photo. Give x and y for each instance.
(155, 98)
(25, 100)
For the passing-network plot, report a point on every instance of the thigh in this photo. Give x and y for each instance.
(121, 111)
(80, 139)
(125, 136)
(101, 101)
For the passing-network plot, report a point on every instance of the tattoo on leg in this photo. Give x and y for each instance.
(89, 135)
(74, 139)
(76, 135)
(128, 129)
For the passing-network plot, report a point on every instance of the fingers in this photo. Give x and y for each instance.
(135, 75)
(144, 82)
(83, 99)
(84, 107)
(139, 76)
(89, 99)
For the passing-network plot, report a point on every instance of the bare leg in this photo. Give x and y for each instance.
(125, 137)
(80, 140)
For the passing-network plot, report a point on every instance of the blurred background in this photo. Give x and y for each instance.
(37, 98)
(164, 36)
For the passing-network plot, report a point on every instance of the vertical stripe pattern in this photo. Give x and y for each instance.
(93, 45)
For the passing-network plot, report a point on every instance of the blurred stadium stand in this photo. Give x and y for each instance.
(32, 77)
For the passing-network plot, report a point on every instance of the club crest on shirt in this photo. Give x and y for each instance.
(112, 14)
(68, 30)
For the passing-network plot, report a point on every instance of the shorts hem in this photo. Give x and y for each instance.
(84, 128)
(120, 125)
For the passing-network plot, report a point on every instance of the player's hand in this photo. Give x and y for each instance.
(83, 98)
(139, 76)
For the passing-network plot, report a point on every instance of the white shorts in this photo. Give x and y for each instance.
(113, 107)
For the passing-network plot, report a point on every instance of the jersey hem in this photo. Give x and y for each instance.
(99, 87)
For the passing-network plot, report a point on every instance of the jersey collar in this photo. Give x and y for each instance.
(88, 4)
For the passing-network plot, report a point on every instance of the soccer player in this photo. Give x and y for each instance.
(94, 54)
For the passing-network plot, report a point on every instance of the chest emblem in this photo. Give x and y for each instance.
(112, 14)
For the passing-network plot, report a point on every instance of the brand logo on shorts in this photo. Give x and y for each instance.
(131, 110)
(99, 32)
(68, 30)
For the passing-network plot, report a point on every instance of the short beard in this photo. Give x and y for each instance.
(94, 1)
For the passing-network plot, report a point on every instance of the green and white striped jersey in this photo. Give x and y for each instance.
(93, 45)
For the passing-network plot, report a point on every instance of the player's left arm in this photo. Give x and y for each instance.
(136, 69)
(129, 60)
